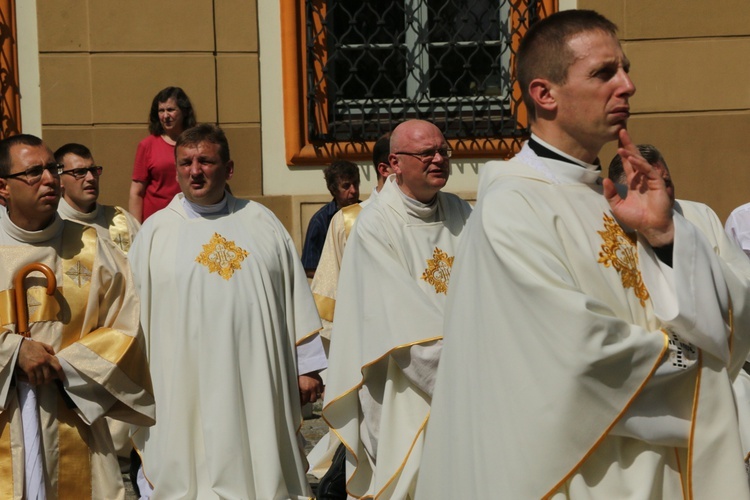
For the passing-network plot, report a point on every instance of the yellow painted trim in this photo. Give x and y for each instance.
(616, 419)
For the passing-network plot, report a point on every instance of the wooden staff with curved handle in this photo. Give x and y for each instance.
(22, 311)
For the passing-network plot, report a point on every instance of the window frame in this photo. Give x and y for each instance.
(299, 151)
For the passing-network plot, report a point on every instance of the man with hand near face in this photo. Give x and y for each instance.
(231, 330)
(600, 363)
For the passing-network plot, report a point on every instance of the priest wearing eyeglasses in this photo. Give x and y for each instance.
(389, 315)
(79, 182)
(81, 354)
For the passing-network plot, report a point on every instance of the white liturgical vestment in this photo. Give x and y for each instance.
(386, 337)
(576, 364)
(225, 303)
(91, 322)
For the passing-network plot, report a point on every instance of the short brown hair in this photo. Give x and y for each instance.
(205, 132)
(544, 51)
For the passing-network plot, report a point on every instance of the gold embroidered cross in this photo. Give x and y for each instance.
(79, 274)
(438, 272)
(221, 256)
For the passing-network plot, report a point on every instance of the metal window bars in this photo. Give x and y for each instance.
(374, 63)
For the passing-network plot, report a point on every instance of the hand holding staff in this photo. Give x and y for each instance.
(36, 360)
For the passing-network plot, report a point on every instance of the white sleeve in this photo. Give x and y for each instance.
(311, 356)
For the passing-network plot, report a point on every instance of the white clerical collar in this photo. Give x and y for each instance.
(559, 171)
(566, 156)
(25, 236)
(415, 208)
(194, 211)
(68, 212)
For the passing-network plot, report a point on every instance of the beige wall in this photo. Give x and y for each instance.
(101, 62)
(693, 96)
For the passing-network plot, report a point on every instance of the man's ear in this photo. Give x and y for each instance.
(541, 93)
(230, 169)
(395, 168)
(4, 188)
(384, 169)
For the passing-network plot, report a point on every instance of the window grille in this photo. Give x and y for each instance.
(374, 63)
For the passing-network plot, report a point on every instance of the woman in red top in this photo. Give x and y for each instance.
(154, 174)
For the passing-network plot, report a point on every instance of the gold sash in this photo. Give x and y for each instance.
(350, 214)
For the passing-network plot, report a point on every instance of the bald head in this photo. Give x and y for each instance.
(420, 159)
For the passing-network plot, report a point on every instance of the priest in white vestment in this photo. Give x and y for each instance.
(389, 314)
(84, 357)
(79, 183)
(610, 358)
(231, 332)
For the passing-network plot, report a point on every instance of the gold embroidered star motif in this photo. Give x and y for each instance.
(438, 272)
(619, 252)
(221, 256)
(79, 274)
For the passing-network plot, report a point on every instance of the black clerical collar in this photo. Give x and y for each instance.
(544, 152)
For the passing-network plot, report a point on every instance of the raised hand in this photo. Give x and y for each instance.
(647, 207)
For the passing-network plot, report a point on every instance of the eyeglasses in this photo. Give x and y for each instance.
(428, 154)
(80, 173)
(34, 174)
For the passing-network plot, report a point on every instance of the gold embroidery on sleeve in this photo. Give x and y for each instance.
(438, 272)
(221, 256)
(619, 252)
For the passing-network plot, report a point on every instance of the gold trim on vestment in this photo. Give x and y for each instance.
(406, 457)
(121, 350)
(350, 214)
(616, 419)
(356, 387)
(42, 307)
(74, 466)
(325, 306)
(693, 419)
(79, 245)
(6, 457)
(367, 365)
(117, 223)
(303, 339)
(683, 476)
